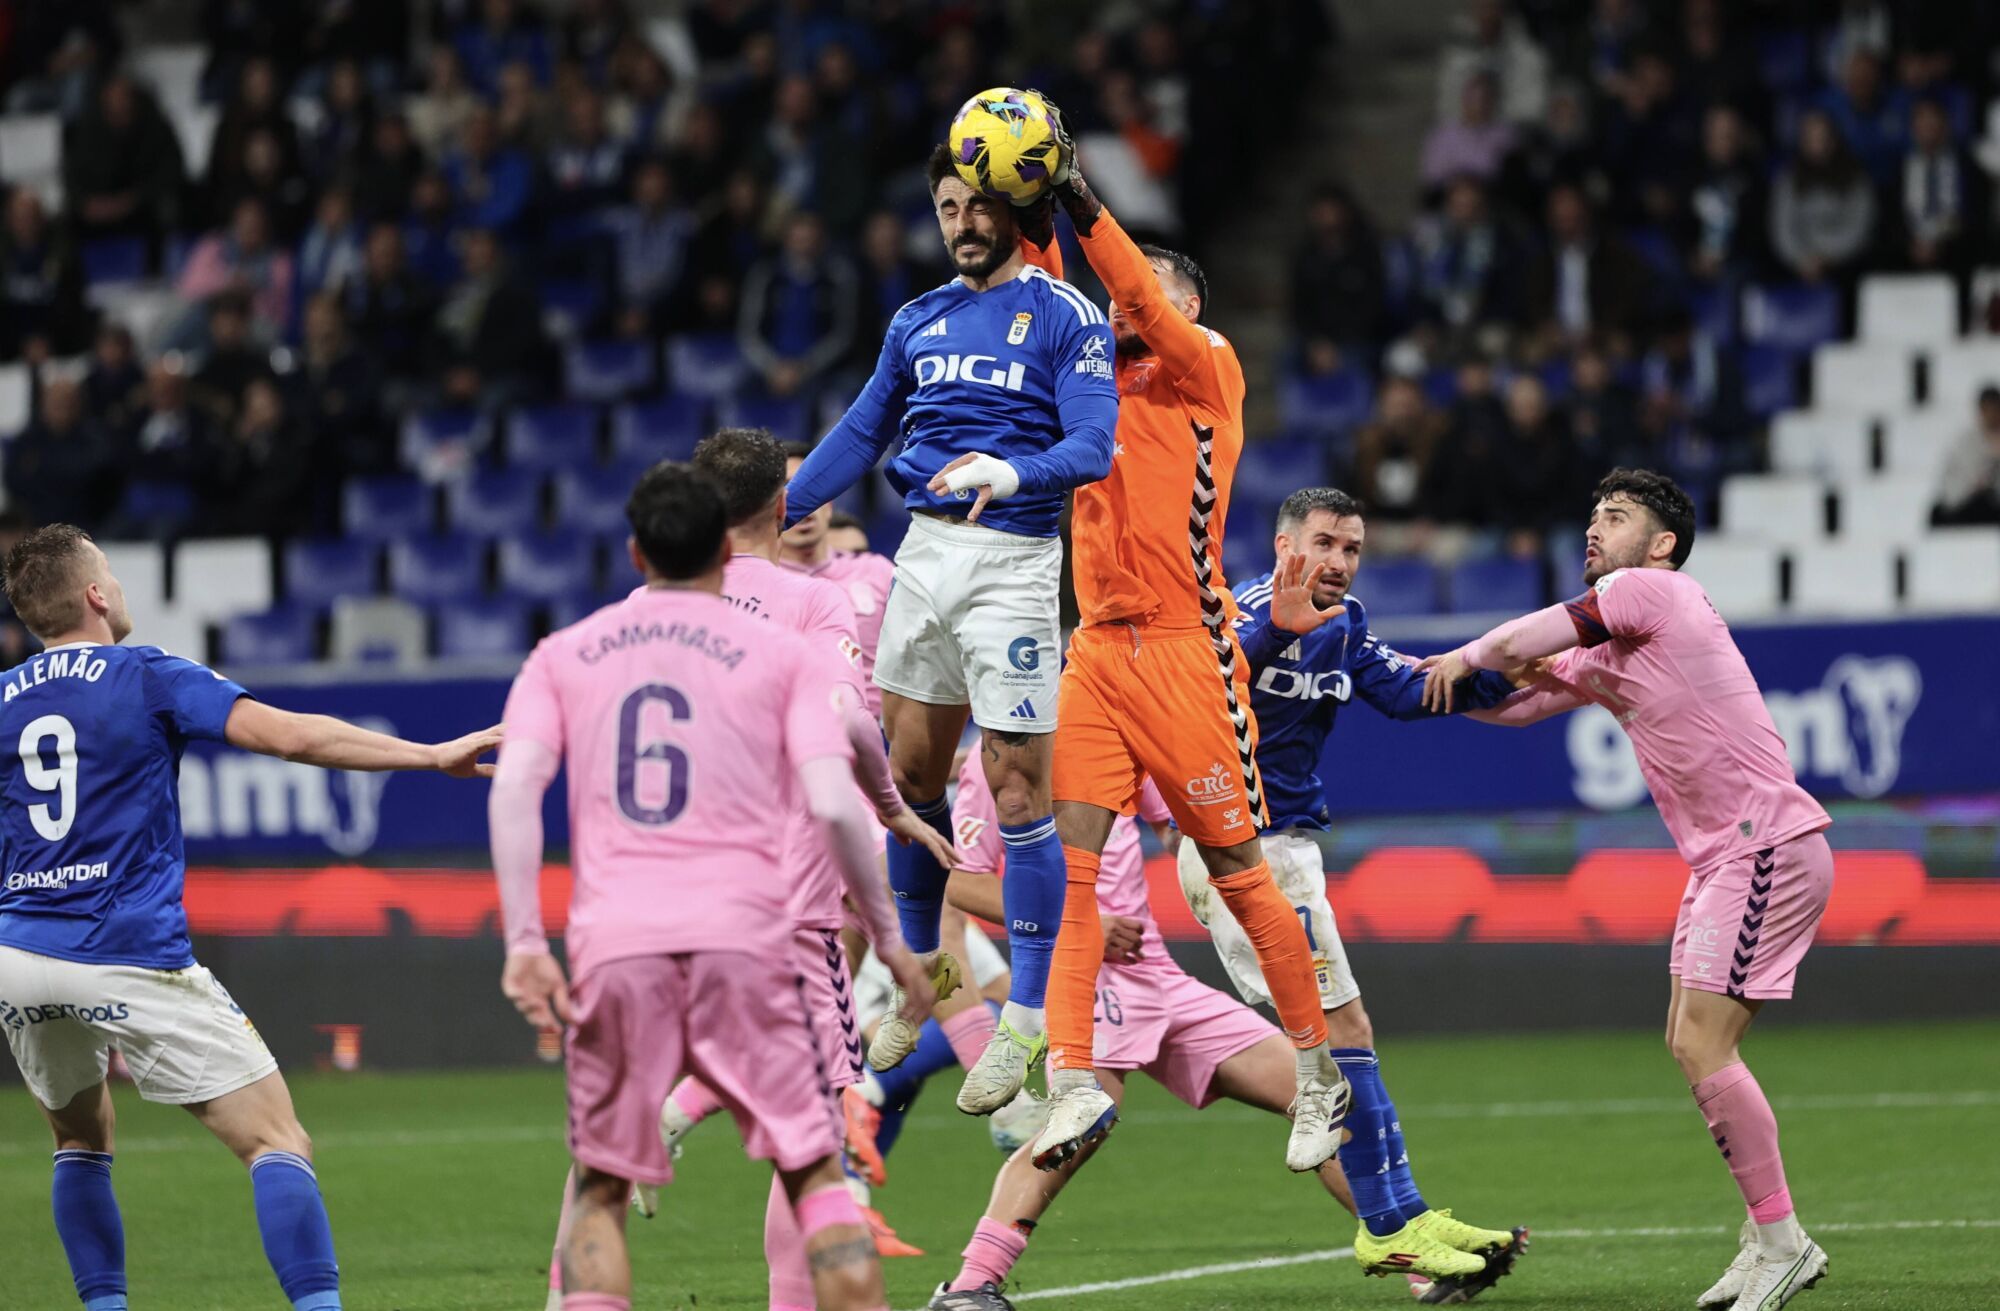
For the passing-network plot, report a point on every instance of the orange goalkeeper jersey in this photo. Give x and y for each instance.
(1146, 542)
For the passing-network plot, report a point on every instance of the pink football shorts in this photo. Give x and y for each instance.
(1153, 1018)
(1745, 923)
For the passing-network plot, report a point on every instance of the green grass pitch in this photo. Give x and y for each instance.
(442, 1187)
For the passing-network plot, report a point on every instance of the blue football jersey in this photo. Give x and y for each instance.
(1298, 683)
(90, 811)
(1021, 372)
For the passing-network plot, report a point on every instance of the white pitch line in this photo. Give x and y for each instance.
(1338, 1253)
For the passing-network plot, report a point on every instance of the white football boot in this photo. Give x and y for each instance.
(1317, 1114)
(1776, 1279)
(1724, 1291)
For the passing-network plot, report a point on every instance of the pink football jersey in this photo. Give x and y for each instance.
(866, 578)
(1121, 873)
(682, 722)
(818, 611)
(1658, 657)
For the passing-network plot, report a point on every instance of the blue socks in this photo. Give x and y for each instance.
(298, 1241)
(918, 880)
(1376, 1162)
(1033, 891)
(92, 1233)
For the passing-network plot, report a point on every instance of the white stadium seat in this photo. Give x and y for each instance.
(1915, 444)
(194, 126)
(1959, 370)
(172, 629)
(1843, 577)
(1741, 577)
(219, 577)
(1908, 309)
(30, 147)
(1863, 378)
(141, 568)
(1773, 508)
(1954, 569)
(174, 73)
(16, 389)
(1886, 511)
(377, 629)
(1822, 443)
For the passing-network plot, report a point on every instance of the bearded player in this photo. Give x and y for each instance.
(999, 383)
(1645, 643)
(1155, 683)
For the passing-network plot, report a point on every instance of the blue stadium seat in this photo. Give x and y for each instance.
(320, 572)
(570, 306)
(592, 499)
(490, 502)
(1398, 587)
(552, 436)
(489, 626)
(566, 610)
(664, 429)
(383, 509)
(548, 566)
(1275, 467)
(609, 370)
(440, 440)
(114, 259)
(1495, 583)
(287, 635)
(1332, 402)
(708, 364)
(1797, 318)
(784, 416)
(1245, 555)
(156, 509)
(437, 567)
(1770, 380)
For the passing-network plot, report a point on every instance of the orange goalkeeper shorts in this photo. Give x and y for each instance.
(1170, 703)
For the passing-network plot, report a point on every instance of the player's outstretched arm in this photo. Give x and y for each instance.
(337, 744)
(531, 978)
(1530, 706)
(851, 448)
(829, 789)
(1546, 632)
(1396, 687)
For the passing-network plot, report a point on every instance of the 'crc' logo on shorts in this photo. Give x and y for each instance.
(1024, 654)
(1213, 788)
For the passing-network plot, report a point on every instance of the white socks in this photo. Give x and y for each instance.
(1028, 1021)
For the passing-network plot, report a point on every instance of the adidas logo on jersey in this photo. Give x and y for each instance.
(935, 330)
(1291, 652)
(1026, 710)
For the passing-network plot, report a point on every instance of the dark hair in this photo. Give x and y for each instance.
(1300, 505)
(1185, 266)
(747, 466)
(1662, 497)
(842, 519)
(676, 515)
(44, 573)
(1989, 394)
(796, 450)
(939, 166)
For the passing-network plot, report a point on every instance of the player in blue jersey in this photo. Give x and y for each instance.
(1311, 653)
(94, 949)
(1000, 384)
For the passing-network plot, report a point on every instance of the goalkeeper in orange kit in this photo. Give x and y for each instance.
(1155, 683)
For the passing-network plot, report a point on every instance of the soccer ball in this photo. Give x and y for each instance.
(1002, 144)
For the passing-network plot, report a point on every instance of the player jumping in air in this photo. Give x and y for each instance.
(1000, 382)
(681, 716)
(1311, 653)
(1197, 1043)
(94, 949)
(1155, 684)
(1645, 643)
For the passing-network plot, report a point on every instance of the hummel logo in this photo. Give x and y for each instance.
(935, 330)
(1026, 710)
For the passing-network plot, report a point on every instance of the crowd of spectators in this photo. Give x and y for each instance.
(1606, 182)
(403, 207)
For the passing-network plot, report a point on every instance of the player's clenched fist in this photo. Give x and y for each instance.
(534, 982)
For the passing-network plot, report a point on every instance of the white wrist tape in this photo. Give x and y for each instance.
(984, 471)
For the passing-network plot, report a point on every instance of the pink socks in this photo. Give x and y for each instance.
(785, 1252)
(968, 1032)
(1746, 1133)
(695, 1100)
(990, 1255)
(596, 1302)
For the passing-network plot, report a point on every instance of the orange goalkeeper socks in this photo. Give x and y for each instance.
(1279, 939)
(1072, 998)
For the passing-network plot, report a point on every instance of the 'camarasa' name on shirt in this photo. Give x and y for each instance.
(55, 664)
(695, 637)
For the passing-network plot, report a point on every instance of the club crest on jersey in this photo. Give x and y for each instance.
(1019, 332)
(970, 368)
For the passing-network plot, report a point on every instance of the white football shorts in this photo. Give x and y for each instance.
(183, 1037)
(973, 621)
(981, 960)
(1297, 869)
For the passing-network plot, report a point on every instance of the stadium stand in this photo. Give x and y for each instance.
(1606, 267)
